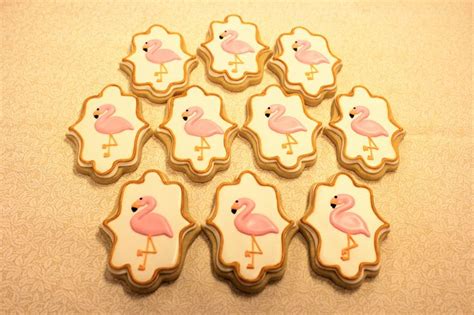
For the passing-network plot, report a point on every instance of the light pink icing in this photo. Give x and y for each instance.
(249, 223)
(306, 56)
(147, 223)
(347, 222)
(283, 124)
(366, 127)
(234, 46)
(158, 55)
(195, 126)
(108, 124)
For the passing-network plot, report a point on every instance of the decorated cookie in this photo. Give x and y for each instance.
(249, 232)
(234, 53)
(150, 230)
(198, 134)
(365, 134)
(281, 132)
(304, 64)
(158, 64)
(109, 135)
(343, 230)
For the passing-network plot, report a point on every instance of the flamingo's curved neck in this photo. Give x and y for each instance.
(305, 47)
(150, 205)
(197, 115)
(249, 206)
(109, 112)
(279, 112)
(363, 115)
(154, 48)
(344, 207)
(230, 38)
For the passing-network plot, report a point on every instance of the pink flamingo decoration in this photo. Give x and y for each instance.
(234, 46)
(367, 128)
(347, 222)
(252, 224)
(284, 125)
(198, 127)
(158, 55)
(150, 224)
(109, 125)
(308, 57)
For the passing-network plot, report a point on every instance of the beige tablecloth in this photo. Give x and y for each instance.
(55, 54)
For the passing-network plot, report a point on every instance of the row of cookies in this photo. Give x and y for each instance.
(249, 232)
(235, 57)
(111, 131)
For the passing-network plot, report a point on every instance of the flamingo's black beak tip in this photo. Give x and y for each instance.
(96, 116)
(267, 115)
(221, 37)
(333, 205)
(145, 49)
(295, 49)
(134, 209)
(185, 118)
(234, 211)
(351, 115)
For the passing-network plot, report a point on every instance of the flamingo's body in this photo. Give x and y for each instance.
(150, 224)
(252, 224)
(367, 128)
(308, 57)
(347, 222)
(234, 46)
(109, 125)
(198, 127)
(160, 56)
(284, 124)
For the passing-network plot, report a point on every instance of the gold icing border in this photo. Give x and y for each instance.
(276, 159)
(171, 85)
(381, 231)
(336, 67)
(81, 144)
(261, 53)
(189, 162)
(336, 116)
(284, 235)
(182, 234)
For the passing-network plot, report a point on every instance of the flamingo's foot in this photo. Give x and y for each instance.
(104, 146)
(248, 253)
(250, 266)
(345, 254)
(234, 70)
(106, 154)
(141, 267)
(200, 158)
(309, 76)
(365, 148)
(197, 148)
(284, 145)
(139, 252)
(289, 152)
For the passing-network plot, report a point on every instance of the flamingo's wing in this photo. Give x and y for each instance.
(355, 224)
(242, 47)
(316, 57)
(291, 124)
(260, 225)
(373, 128)
(209, 127)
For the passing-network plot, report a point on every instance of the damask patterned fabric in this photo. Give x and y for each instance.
(55, 54)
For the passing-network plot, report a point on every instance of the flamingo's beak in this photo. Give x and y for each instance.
(295, 46)
(135, 206)
(352, 113)
(334, 203)
(185, 116)
(267, 113)
(234, 208)
(222, 35)
(97, 113)
(145, 47)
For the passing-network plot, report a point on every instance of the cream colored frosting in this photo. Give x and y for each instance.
(234, 243)
(271, 141)
(246, 33)
(332, 240)
(145, 70)
(92, 150)
(378, 107)
(185, 143)
(168, 198)
(296, 70)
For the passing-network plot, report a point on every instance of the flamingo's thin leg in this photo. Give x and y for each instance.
(311, 72)
(204, 145)
(112, 143)
(159, 73)
(290, 140)
(237, 61)
(346, 252)
(145, 253)
(372, 146)
(253, 252)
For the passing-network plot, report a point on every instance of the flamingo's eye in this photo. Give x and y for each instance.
(141, 198)
(353, 108)
(335, 197)
(187, 110)
(236, 201)
(225, 31)
(268, 107)
(296, 42)
(97, 109)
